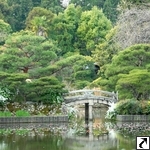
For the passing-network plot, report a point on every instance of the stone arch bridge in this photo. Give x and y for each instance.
(89, 98)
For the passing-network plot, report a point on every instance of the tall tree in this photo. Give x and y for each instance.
(135, 84)
(24, 51)
(38, 21)
(105, 51)
(52, 5)
(64, 28)
(4, 10)
(5, 30)
(19, 10)
(92, 30)
(21, 56)
(110, 9)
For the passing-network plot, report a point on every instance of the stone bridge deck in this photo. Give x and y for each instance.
(90, 96)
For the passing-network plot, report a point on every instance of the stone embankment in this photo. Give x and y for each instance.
(133, 118)
(35, 119)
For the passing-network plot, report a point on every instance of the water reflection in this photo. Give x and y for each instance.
(114, 139)
(33, 140)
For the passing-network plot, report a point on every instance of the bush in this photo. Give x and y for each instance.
(145, 107)
(133, 107)
(22, 113)
(5, 114)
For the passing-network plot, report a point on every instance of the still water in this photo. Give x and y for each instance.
(39, 138)
(112, 141)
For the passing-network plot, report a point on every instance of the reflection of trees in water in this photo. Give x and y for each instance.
(38, 142)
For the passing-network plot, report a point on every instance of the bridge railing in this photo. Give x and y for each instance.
(91, 93)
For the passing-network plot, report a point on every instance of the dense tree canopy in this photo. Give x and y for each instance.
(18, 12)
(105, 51)
(64, 28)
(52, 5)
(92, 30)
(38, 20)
(80, 44)
(23, 52)
(5, 30)
(134, 57)
(136, 84)
(110, 9)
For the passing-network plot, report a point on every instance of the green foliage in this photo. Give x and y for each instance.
(5, 30)
(24, 51)
(135, 84)
(13, 85)
(79, 84)
(133, 107)
(64, 27)
(46, 89)
(38, 21)
(4, 11)
(5, 114)
(18, 13)
(119, 72)
(75, 71)
(22, 113)
(105, 51)
(92, 30)
(110, 9)
(127, 107)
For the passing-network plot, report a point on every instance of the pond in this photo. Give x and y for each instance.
(40, 137)
(46, 141)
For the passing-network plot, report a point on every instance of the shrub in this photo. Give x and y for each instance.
(22, 113)
(145, 107)
(133, 107)
(5, 114)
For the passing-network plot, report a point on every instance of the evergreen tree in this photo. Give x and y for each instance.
(122, 68)
(92, 29)
(64, 28)
(18, 12)
(5, 30)
(110, 9)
